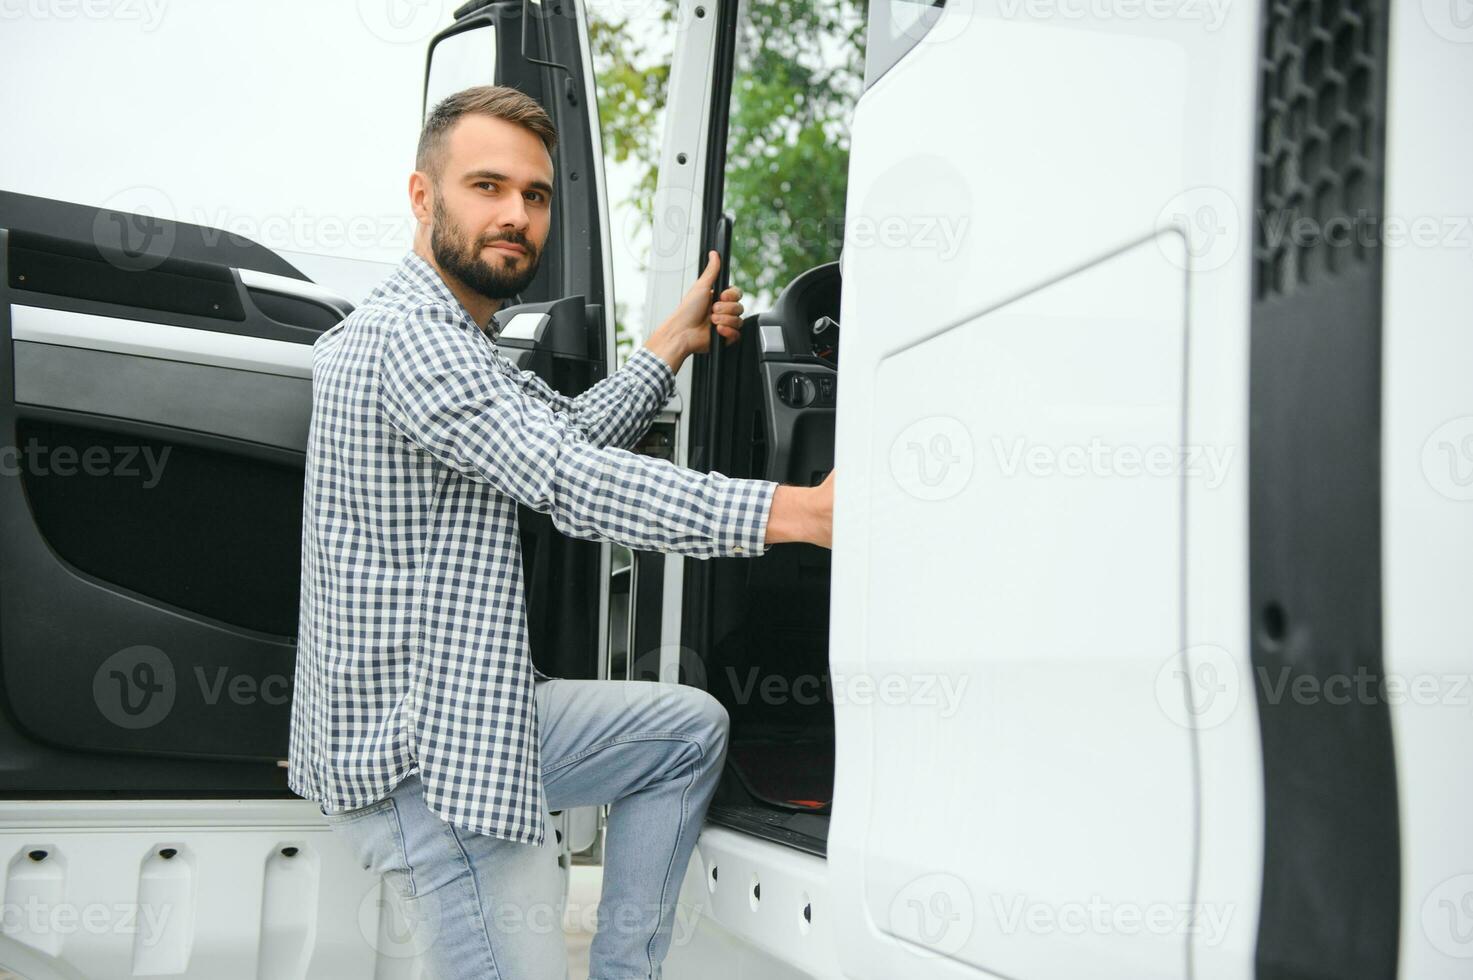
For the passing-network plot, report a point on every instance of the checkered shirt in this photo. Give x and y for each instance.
(412, 648)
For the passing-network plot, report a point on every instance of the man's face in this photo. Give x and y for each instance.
(492, 206)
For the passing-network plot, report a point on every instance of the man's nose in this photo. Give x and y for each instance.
(513, 213)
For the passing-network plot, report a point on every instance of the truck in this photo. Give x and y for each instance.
(1137, 652)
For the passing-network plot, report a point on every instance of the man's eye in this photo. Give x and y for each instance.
(486, 184)
(535, 196)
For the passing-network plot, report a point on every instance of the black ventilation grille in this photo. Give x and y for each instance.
(1318, 141)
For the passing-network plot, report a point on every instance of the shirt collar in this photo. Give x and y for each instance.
(421, 277)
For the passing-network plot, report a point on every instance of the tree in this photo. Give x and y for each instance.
(799, 72)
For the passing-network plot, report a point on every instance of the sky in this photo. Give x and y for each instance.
(292, 123)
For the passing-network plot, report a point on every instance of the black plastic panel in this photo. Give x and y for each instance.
(294, 311)
(59, 267)
(138, 240)
(205, 531)
(1331, 902)
(251, 405)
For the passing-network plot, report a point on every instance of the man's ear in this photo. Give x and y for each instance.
(420, 200)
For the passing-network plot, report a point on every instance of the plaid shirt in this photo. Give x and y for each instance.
(412, 647)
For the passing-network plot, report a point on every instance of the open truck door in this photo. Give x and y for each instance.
(1114, 464)
(156, 395)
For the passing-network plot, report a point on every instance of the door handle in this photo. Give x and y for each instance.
(721, 242)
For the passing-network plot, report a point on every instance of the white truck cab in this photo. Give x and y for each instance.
(1137, 654)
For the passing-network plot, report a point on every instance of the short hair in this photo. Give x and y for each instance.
(497, 101)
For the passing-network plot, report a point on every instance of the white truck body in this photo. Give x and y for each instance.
(1141, 637)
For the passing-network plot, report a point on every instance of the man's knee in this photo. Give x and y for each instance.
(713, 720)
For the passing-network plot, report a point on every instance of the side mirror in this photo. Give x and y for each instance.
(532, 334)
(459, 59)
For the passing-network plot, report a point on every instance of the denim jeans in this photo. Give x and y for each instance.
(492, 908)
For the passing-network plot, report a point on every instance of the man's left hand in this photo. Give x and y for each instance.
(688, 329)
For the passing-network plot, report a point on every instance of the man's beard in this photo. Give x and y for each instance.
(462, 259)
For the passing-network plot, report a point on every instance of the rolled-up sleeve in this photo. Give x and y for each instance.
(440, 387)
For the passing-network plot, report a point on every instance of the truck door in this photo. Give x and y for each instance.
(155, 400)
(1014, 788)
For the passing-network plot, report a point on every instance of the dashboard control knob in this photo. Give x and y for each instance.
(796, 390)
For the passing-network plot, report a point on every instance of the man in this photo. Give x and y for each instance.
(419, 724)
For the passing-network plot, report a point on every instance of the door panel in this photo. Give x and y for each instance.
(1010, 518)
(53, 369)
(1031, 600)
(156, 407)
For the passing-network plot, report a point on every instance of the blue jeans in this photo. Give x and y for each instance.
(492, 908)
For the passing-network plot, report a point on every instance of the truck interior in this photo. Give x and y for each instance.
(763, 623)
(764, 407)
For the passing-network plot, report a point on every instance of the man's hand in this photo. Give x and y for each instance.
(803, 514)
(688, 329)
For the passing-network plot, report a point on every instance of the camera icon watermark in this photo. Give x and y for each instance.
(396, 926)
(655, 674)
(135, 688)
(1447, 917)
(935, 913)
(1451, 20)
(671, 228)
(933, 458)
(932, 24)
(134, 229)
(1447, 459)
(401, 21)
(1199, 687)
(1208, 219)
(138, 687)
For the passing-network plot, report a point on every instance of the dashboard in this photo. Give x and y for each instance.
(797, 359)
(804, 322)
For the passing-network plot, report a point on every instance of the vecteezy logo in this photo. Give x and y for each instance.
(1207, 218)
(935, 913)
(134, 688)
(1198, 687)
(134, 229)
(932, 459)
(1447, 459)
(931, 24)
(1450, 19)
(396, 927)
(671, 230)
(1447, 917)
(400, 21)
(680, 666)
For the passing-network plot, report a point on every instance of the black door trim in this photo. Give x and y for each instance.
(1331, 902)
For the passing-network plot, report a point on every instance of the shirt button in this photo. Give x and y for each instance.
(736, 549)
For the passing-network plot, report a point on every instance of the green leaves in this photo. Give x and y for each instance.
(799, 72)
